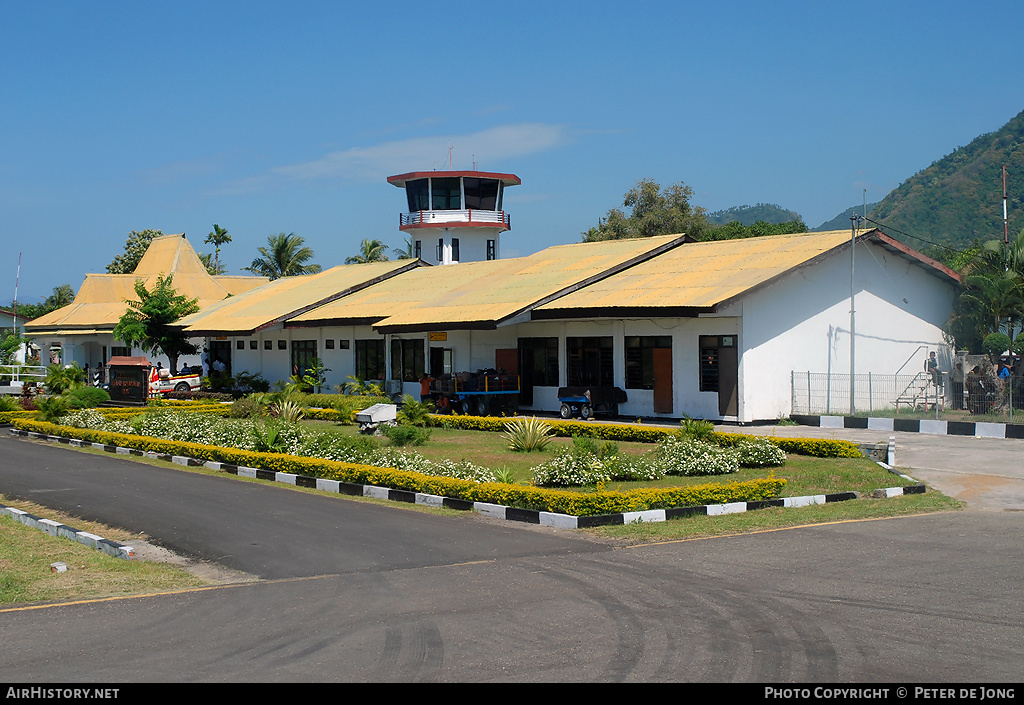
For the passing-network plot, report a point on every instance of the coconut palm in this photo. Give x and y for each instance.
(369, 251)
(284, 256)
(405, 252)
(218, 237)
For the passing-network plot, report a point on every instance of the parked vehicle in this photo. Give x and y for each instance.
(478, 393)
(587, 401)
(161, 381)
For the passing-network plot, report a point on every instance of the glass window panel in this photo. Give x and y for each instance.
(445, 194)
(416, 193)
(481, 194)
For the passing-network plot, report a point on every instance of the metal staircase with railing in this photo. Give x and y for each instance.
(916, 392)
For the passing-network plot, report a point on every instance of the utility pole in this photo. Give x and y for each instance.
(854, 221)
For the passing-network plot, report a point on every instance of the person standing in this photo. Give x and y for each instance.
(956, 379)
(932, 367)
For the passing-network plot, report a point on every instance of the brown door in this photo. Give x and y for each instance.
(507, 359)
(662, 380)
(728, 378)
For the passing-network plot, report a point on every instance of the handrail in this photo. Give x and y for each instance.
(474, 216)
(16, 372)
(910, 358)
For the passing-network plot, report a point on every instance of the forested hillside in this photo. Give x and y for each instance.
(959, 197)
(748, 215)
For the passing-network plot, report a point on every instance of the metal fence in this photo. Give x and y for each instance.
(985, 396)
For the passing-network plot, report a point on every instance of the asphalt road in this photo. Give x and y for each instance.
(358, 592)
(987, 473)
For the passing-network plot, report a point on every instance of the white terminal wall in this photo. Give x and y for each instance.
(802, 323)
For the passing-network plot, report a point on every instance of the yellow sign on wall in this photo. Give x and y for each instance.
(439, 337)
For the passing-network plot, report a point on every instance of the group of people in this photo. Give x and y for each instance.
(972, 390)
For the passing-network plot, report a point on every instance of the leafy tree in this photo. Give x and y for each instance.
(284, 256)
(148, 322)
(653, 213)
(134, 248)
(369, 251)
(10, 342)
(218, 237)
(734, 230)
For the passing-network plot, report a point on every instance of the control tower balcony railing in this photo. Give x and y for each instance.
(454, 218)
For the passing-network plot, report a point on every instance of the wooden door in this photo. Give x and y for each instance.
(662, 380)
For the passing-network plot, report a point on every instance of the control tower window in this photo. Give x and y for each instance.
(481, 194)
(416, 192)
(446, 194)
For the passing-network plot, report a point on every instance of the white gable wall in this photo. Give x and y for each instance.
(802, 323)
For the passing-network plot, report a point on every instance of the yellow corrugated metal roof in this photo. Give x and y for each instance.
(236, 284)
(702, 274)
(288, 296)
(524, 282)
(100, 302)
(399, 293)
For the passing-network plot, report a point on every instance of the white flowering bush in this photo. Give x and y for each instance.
(571, 469)
(760, 453)
(680, 456)
(86, 418)
(624, 468)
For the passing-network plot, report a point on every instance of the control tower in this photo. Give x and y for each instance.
(454, 216)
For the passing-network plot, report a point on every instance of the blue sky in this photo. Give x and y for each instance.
(268, 117)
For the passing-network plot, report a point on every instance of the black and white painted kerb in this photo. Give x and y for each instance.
(54, 528)
(978, 429)
(498, 511)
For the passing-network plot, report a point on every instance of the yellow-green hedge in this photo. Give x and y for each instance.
(818, 447)
(526, 497)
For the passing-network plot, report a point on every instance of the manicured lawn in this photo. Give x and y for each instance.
(804, 474)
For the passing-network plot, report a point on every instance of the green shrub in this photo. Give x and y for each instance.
(527, 434)
(995, 344)
(60, 379)
(405, 435)
(245, 408)
(9, 403)
(414, 412)
(51, 408)
(696, 429)
(286, 411)
(86, 397)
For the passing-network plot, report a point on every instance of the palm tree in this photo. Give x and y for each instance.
(62, 296)
(207, 259)
(370, 251)
(284, 256)
(405, 252)
(218, 237)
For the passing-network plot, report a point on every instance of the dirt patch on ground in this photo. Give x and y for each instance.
(210, 572)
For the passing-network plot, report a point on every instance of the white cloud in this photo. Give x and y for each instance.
(423, 153)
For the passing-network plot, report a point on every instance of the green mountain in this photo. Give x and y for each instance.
(960, 197)
(842, 221)
(748, 215)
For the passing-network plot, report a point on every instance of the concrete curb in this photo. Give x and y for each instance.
(498, 511)
(978, 429)
(53, 528)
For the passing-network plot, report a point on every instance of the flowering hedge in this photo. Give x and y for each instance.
(539, 498)
(818, 447)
